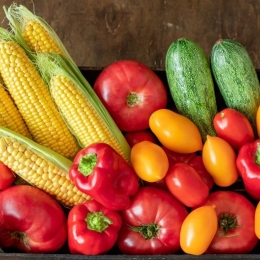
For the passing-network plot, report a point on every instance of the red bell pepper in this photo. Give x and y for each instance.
(99, 171)
(248, 165)
(92, 228)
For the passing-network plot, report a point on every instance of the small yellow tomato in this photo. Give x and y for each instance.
(176, 132)
(149, 161)
(219, 159)
(198, 230)
(257, 220)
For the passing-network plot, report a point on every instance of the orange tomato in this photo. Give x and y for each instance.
(258, 121)
(149, 161)
(257, 220)
(219, 159)
(176, 132)
(198, 230)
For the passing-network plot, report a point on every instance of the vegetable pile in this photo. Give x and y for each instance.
(129, 165)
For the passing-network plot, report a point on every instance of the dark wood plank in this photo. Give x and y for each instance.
(97, 33)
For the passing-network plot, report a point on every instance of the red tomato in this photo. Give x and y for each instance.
(175, 157)
(193, 160)
(186, 185)
(31, 220)
(197, 163)
(138, 136)
(234, 127)
(131, 92)
(7, 177)
(152, 223)
(236, 230)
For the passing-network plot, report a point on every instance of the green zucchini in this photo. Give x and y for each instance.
(191, 84)
(236, 77)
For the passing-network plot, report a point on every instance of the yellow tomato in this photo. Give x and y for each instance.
(257, 220)
(219, 159)
(258, 121)
(149, 161)
(198, 230)
(176, 132)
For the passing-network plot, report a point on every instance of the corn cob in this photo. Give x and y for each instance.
(40, 167)
(37, 34)
(32, 98)
(82, 118)
(17, 15)
(10, 117)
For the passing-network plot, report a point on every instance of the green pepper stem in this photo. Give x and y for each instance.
(147, 231)
(87, 163)
(97, 221)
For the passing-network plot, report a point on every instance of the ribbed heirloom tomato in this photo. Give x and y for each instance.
(130, 91)
(152, 223)
(31, 220)
(236, 218)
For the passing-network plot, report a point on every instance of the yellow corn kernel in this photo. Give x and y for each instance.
(82, 118)
(39, 172)
(38, 39)
(32, 98)
(10, 116)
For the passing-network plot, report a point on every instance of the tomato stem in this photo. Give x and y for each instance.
(132, 99)
(227, 222)
(87, 163)
(97, 221)
(21, 236)
(222, 114)
(147, 231)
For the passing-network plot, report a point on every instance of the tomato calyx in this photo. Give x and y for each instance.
(87, 163)
(21, 236)
(97, 221)
(227, 222)
(147, 231)
(132, 99)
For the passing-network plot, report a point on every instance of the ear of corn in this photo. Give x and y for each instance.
(76, 106)
(103, 125)
(40, 167)
(32, 98)
(10, 117)
(32, 29)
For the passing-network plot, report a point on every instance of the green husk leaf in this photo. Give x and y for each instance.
(18, 15)
(53, 157)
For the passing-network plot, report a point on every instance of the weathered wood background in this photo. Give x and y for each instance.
(98, 32)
